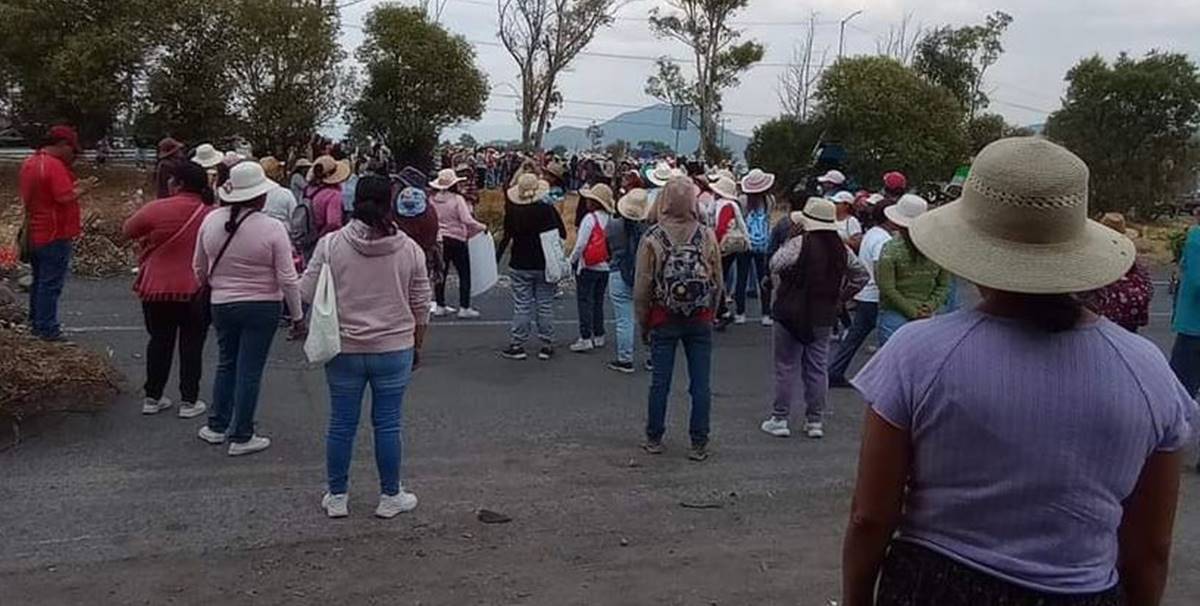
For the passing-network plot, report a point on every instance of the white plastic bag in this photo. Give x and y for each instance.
(558, 267)
(484, 273)
(324, 341)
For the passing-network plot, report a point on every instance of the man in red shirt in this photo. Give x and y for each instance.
(51, 199)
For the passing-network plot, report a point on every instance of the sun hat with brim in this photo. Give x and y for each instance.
(246, 182)
(757, 181)
(661, 174)
(333, 172)
(207, 156)
(600, 193)
(446, 178)
(842, 197)
(302, 163)
(819, 214)
(635, 204)
(906, 210)
(529, 189)
(725, 188)
(1021, 224)
(834, 176)
(168, 147)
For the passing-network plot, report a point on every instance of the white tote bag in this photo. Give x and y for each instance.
(324, 341)
(484, 273)
(558, 267)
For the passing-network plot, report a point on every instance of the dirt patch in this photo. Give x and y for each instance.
(39, 377)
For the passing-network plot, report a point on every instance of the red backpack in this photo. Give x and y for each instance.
(596, 251)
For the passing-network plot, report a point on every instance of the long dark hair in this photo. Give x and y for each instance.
(822, 263)
(1047, 313)
(236, 208)
(756, 201)
(193, 179)
(373, 204)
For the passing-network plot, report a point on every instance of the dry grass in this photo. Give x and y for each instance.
(39, 377)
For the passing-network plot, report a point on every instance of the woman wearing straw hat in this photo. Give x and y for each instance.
(911, 286)
(816, 273)
(1126, 301)
(245, 259)
(525, 220)
(1027, 451)
(625, 231)
(733, 238)
(591, 256)
(759, 201)
(456, 225)
(324, 192)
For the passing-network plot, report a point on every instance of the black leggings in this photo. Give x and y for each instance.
(456, 254)
(167, 321)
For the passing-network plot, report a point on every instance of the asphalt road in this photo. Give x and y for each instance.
(116, 508)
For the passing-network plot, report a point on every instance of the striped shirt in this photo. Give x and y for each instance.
(1025, 443)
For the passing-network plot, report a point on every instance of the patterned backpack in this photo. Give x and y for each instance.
(685, 283)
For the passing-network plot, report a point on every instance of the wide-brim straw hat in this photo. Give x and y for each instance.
(528, 190)
(906, 210)
(661, 174)
(334, 172)
(1116, 222)
(600, 193)
(556, 169)
(757, 181)
(725, 188)
(1021, 224)
(207, 156)
(819, 214)
(168, 147)
(247, 182)
(635, 204)
(446, 178)
(272, 166)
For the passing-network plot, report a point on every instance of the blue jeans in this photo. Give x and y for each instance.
(621, 295)
(866, 315)
(589, 293)
(245, 330)
(697, 346)
(1185, 361)
(50, 264)
(890, 321)
(348, 375)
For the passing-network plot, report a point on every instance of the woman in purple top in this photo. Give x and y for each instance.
(1027, 451)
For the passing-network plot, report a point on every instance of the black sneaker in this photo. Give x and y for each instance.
(622, 367)
(649, 366)
(699, 452)
(514, 352)
(546, 353)
(653, 447)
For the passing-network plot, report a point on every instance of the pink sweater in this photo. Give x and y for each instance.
(327, 208)
(382, 287)
(455, 220)
(256, 267)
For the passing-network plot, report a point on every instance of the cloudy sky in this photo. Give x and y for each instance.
(1046, 38)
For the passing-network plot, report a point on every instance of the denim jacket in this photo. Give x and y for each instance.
(624, 237)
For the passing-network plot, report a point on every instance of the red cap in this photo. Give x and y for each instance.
(64, 134)
(895, 181)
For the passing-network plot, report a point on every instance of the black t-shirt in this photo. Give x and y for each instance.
(523, 227)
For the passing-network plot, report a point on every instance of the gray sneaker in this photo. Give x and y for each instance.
(191, 410)
(152, 407)
(254, 444)
(336, 505)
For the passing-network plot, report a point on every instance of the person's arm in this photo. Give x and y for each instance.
(941, 292)
(855, 231)
(1144, 537)
(787, 255)
(137, 226)
(643, 284)
(420, 293)
(857, 276)
(508, 230)
(714, 262)
(474, 226)
(558, 223)
(200, 257)
(883, 467)
(285, 269)
(885, 278)
(582, 237)
(308, 282)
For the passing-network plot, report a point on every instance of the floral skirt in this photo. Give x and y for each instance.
(916, 576)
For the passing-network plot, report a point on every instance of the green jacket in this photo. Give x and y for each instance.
(909, 281)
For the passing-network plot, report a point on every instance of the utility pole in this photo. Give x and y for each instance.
(842, 36)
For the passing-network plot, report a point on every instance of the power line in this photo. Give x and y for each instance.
(735, 23)
(625, 105)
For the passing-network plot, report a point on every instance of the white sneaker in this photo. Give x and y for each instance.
(210, 436)
(777, 427)
(582, 346)
(251, 446)
(467, 313)
(336, 505)
(440, 312)
(152, 407)
(815, 431)
(598, 342)
(767, 321)
(739, 319)
(391, 506)
(191, 410)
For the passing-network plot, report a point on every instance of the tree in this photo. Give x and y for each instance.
(466, 140)
(705, 27)
(420, 79)
(901, 41)
(544, 37)
(985, 129)
(595, 136)
(958, 58)
(658, 148)
(1134, 122)
(285, 63)
(617, 150)
(75, 61)
(798, 83)
(783, 146)
(188, 94)
(888, 118)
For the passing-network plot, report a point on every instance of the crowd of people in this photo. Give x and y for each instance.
(1023, 451)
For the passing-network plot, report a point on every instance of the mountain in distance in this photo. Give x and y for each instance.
(647, 124)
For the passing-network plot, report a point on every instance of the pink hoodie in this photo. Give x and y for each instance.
(455, 220)
(382, 286)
